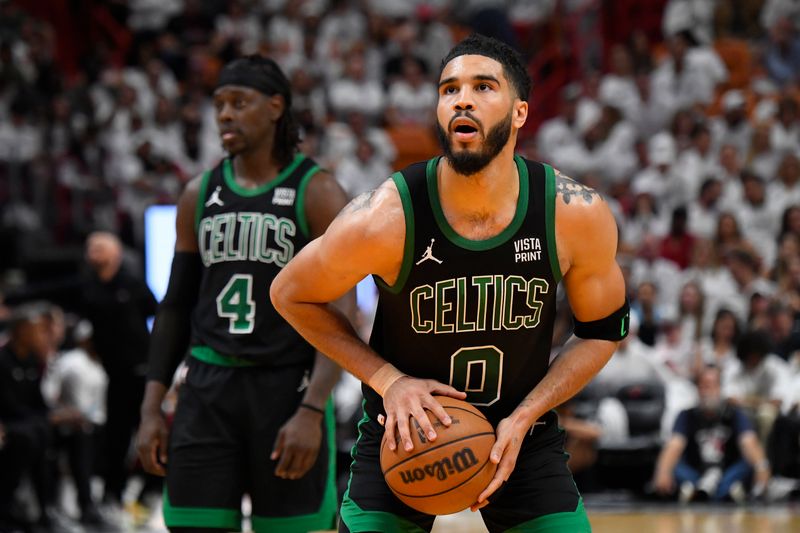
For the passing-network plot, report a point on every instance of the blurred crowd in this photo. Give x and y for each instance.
(685, 114)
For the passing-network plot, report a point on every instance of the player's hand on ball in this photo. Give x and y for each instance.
(510, 434)
(409, 397)
(151, 443)
(297, 444)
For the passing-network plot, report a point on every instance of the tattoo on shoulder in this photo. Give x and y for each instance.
(362, 201)
(568, 188)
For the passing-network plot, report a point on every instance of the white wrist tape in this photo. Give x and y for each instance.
(383, 378)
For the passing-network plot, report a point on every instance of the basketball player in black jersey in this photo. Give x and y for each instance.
(253, 414)
(467, 250)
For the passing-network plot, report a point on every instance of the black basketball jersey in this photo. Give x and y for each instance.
(245, 237)
(475, 314)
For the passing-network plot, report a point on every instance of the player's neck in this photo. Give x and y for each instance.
(494, 187)
(255, 167)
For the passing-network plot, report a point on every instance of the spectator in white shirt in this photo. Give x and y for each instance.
(733, 127)
(620, 84)
(354, 92)
(757, 216)
(744, 267)
(659, 177)
(705, 209)
(758, 385)
(785, 135)
(645, 219)
(411, 97)
(561, 130)
(362, 171)
(690, 74)
(786, 188)
(698, 161)
(761, 158)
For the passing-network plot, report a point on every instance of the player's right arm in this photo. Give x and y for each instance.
(171, 332)
(366, 238)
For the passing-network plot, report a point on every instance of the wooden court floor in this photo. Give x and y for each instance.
(783, 519)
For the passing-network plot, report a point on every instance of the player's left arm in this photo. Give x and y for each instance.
(586, 238)
(299, 440)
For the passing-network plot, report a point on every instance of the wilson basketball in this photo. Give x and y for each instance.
(447, 475)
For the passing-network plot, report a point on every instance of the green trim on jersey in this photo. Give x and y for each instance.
(230, 178)
(300, 204)
(574, 522)
(212, 357)
(408, 248)
(550, 219)
(357, 519)
(201, 199)
(486, 244)
(324, 518)
(228, 519)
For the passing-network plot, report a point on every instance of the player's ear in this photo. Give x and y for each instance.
(519, 114)
(275, 106)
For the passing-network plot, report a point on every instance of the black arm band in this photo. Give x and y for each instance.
(172, 327)
(614, 327)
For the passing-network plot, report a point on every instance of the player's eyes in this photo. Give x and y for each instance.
(483, 87)
(449, 90)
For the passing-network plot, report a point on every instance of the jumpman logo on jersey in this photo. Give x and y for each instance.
(429, 254)
(215, 199)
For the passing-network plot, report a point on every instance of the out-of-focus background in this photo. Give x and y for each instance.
(685, 114)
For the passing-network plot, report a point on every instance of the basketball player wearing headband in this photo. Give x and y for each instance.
(253, 413)
(468, 250)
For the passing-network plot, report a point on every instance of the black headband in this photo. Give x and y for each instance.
(255, 79)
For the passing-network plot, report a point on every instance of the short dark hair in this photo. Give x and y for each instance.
(754, 342)
(513, 64)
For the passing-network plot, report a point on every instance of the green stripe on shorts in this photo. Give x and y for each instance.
(324, 518)
(574, 522)
(212, 357)
(230, 519)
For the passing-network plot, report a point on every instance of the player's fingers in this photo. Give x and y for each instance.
(438, 411)
(284, 466)
(391, 426)
(154, 466)
(446, 390)
(499, 448)
(162, 447)
(421, 419)
(405, 431)
(149, 454)
(475, 506)
(306, 462)
(495, 484)
(277, 449)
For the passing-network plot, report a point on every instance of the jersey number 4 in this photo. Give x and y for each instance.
(478, 371)
(235, 302)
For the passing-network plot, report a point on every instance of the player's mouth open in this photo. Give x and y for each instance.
(465, 132)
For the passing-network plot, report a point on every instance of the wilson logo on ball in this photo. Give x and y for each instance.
(459, 462)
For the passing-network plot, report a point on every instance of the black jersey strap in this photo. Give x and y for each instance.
(614, 327)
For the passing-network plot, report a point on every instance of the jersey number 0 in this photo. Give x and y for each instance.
(478, 371)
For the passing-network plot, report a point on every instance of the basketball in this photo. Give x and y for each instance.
(447, 475)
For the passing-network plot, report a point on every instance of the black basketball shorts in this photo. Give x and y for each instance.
(540, 496)
(224, 430)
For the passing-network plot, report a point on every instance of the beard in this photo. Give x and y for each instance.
(711, 405)
(467, 162)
